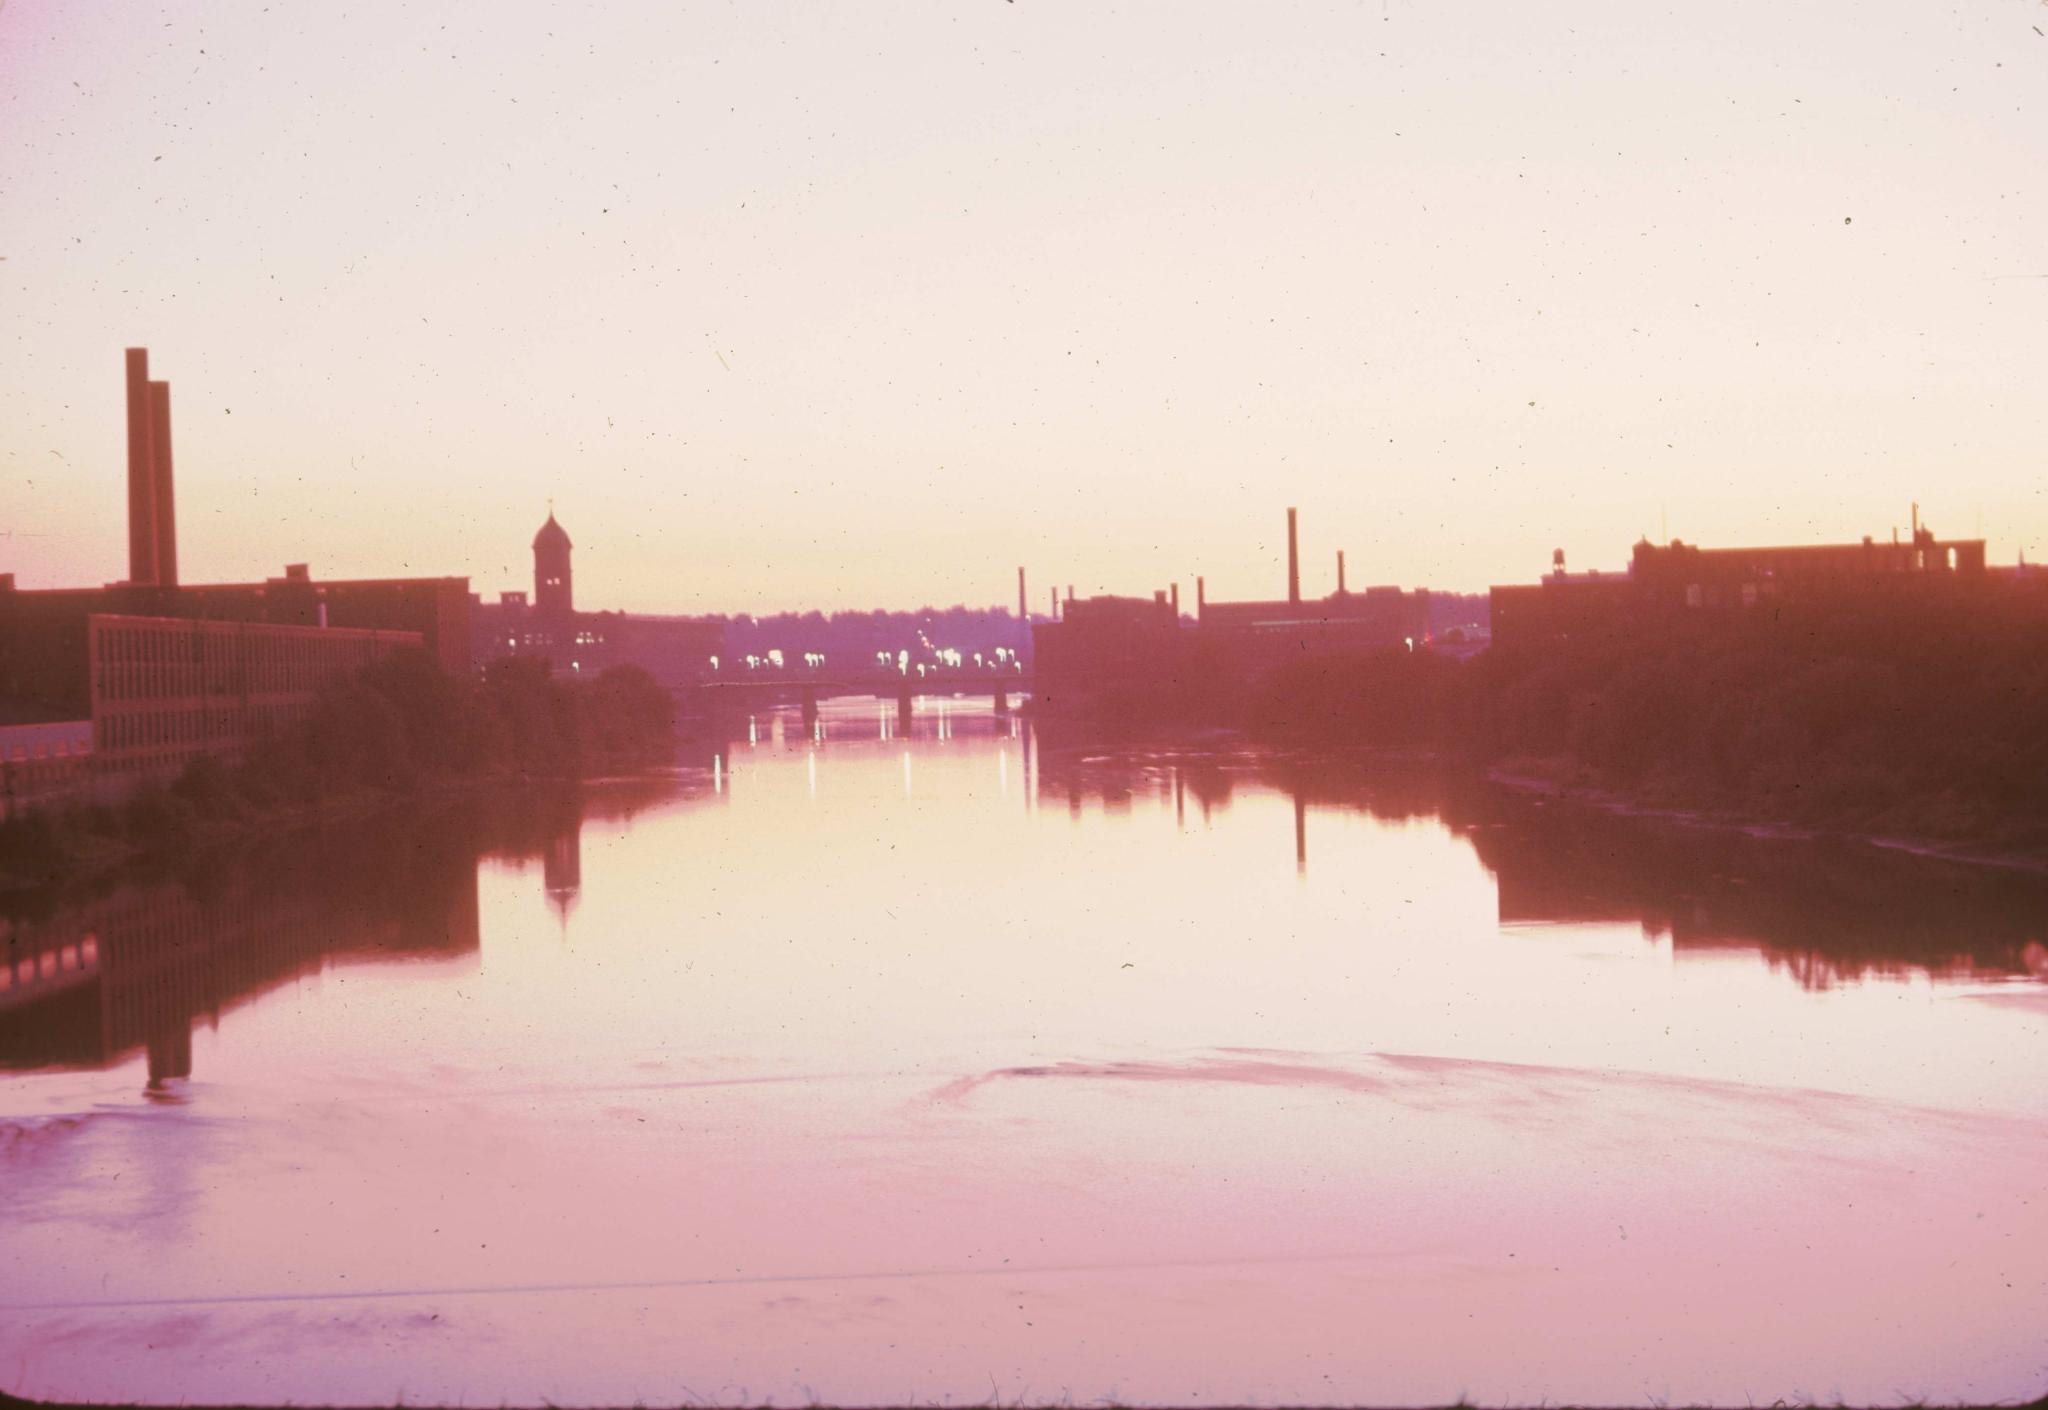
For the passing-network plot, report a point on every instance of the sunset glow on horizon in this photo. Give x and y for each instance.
(865, 306)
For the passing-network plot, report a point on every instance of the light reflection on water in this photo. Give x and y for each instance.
(867, 1064)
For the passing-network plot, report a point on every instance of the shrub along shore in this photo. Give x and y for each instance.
(1903, 721)
(402, 728)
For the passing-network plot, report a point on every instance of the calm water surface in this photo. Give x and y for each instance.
(955, 1065)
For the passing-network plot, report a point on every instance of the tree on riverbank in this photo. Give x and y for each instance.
(1886, 715)
(403, 725)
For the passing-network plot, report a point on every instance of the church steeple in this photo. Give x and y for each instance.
(552, 592)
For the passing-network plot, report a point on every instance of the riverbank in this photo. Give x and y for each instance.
(2011, 850)
(2017, 845)
(71, 851)
(1898, 723)
(401, 732)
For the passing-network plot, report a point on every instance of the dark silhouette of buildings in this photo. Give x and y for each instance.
(676, 651)
(150, 671)
(1664, 583)
(1100, 639)
(1118, 645)
(933, 647)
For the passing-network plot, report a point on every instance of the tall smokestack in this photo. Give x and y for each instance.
(1293, 561)
(141, 473)
(1023, 612)
(1340, 572)
(1176, 602)
(1201, 596)
(160, 455)
(1055, 604)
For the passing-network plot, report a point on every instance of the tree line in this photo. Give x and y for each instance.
(401, 726)
(1918, 713)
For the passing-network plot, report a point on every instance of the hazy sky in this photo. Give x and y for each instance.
(866, 303)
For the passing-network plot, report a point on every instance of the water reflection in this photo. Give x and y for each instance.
(90, 982)
(1824, 911)
(867, 1058)
(139, 967)
(135, 969)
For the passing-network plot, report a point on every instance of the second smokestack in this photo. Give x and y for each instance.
(160, 456)
(1293, 561)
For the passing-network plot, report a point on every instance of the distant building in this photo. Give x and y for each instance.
(1117, 643)
(1665, 582)
(1100, 640)
(1273, 633)
(1267, 634)
(676, 651)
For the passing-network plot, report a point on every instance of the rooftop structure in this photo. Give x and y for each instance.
(676, 651)
(1115, 642)
(1664, 581)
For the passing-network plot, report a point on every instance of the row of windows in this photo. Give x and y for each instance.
(1717, 595)
(142, 660)
(548, 639)
(24, 784)
(53, 963)
(165, 690)
(189, 729)
(36, 753)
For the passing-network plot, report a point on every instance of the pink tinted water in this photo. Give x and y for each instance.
(884, 1069)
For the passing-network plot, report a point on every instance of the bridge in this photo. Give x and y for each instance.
(811, 687)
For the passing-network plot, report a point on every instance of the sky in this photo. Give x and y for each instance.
(866, 304)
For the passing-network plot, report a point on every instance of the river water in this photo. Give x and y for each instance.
(948, 1063)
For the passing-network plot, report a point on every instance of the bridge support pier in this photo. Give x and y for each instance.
(1002, 700)
(810, 704)
(903, 701)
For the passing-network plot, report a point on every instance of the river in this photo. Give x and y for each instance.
(949, 1063)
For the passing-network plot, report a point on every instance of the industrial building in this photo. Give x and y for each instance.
(1116, 643)
(1273, 633)
(103, 686)
(1665, 584)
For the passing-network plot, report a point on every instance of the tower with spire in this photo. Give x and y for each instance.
(552, 593)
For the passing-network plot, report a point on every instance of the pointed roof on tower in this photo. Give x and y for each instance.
(551, 535)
